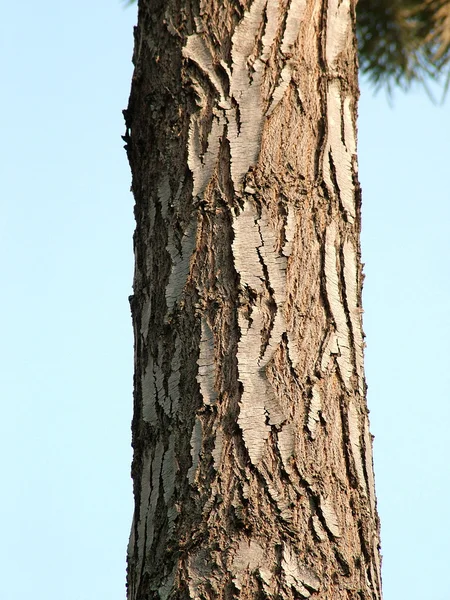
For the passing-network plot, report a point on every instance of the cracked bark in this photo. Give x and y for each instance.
(252, 462)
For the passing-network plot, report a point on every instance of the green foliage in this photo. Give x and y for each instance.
(403, 41)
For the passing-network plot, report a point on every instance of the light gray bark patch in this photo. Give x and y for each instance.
(286, 444)
(149, 395)
(355, 443)
(201, 164)
(315, 406)
(266, 578)
(338, 24)
(151, 472)
(270, 29)
(140, 521)
(167, 587)
(292, 28)
(274, 410)
(169, 470)
(369, 466)
(254, 249)
(172, 514)
(340, 155)
(290, 35)
(289, 231)
(164, 195)
(131, 540)
(196, 447)
(331, 349)
(245, 88)
(199, 572)
(217, 450)
(351, 292)
(275, 264)
(349, 126)
(337, 308)
(197, 51)
(318, 529)
(280, 500)
(252, 414)
(170, 26)
(297, 575)
(283, 84)
(330, 517)
(167, 200)
(294, 356)
(289, 235)
(199, 26)
(145, 317)
(377, 575)
(173, 384)
(159, 378)
(249, 557)
(206, 366)
(181, 260)
(245, 77)
(246, 243)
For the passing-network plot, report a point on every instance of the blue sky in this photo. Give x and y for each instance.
(403, 155)
(66, 346)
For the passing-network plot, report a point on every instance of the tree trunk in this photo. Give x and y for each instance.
(252, 454)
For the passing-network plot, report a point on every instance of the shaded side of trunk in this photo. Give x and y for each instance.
(252, 454)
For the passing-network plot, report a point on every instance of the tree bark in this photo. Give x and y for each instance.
(252, 461)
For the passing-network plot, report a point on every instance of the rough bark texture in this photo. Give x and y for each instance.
(252, 454)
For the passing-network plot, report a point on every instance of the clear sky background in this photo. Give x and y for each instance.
(66, 224)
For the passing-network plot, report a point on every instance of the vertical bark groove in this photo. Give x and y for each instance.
(252, 460)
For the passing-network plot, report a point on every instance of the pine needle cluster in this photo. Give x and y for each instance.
(404, 41)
